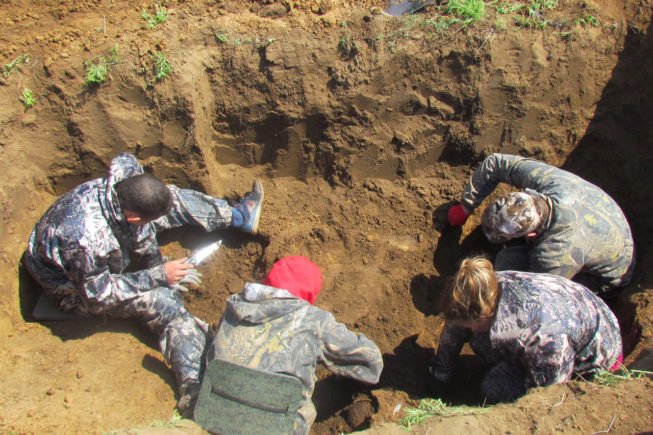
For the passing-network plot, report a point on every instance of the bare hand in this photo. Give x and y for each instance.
(176, 270)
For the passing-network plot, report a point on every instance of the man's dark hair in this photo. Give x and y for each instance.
(145, 195)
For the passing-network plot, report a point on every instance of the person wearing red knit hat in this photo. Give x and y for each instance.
(298, 275)
(274, 327)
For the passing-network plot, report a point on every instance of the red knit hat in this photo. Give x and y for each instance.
(297, 274)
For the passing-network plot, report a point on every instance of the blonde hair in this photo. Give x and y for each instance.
(472, 294)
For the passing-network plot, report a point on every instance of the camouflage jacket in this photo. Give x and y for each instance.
(550, 326)
(269, 329)
(84, 240)
(586, 230)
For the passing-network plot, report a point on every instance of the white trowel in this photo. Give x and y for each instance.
(201, 255)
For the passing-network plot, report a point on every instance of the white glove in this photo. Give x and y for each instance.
(192, 279)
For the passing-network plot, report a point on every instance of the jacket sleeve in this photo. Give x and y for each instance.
(517, 171)
(92, 277)
(451, 342)
(549, 360)
(191, 207)
(350, 354)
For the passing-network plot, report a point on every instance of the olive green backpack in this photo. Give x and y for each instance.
(234, 399)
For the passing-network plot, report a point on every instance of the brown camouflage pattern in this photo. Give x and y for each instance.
(586, 230)
(269, 329)
(511, 216)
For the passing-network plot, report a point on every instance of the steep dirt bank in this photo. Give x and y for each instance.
(361, 126)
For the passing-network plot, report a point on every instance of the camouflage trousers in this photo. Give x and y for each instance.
(182, 336)
(503, 382)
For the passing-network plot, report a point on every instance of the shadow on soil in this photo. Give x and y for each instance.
(615, 153)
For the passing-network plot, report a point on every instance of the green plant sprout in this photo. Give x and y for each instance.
(97, 71)
(221, 38)
(466, 11)
(113, 58)
(428, 408)
(162, 68)
(28, 98)
(9, 67)
(532, 15)
(587, 20)
(160, 16)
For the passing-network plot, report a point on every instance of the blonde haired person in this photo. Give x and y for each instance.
(531, 329)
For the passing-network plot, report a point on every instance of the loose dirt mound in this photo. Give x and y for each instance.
(363, 128)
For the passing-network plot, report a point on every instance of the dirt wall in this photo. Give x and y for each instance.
(362, 127)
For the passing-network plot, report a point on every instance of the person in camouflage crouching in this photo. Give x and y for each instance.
(79, 250)
(572, 228)
(274, 327)
(532, 329)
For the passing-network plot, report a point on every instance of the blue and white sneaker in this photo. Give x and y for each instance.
(250, 208)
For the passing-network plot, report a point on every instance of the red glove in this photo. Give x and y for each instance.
(457, 215)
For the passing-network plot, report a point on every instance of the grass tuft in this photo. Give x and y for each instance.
(96, 73)
(467, 11)
(160, 16)
(532, 16)
(428, 408)
(587, 21)
(611, 379)
(97, 70)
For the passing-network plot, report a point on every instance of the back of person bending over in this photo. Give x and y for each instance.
(274, 327)
(571, 227)
(531, 329)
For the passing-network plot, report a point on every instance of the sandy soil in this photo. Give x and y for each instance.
(363, 129)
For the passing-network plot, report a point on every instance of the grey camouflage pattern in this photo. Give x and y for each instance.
(547, 329)
(79, 249)
(269, 329)
(586, 232)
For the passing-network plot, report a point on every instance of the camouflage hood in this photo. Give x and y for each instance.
(259, 303)
(122, 167)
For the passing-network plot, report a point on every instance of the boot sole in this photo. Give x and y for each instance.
(258, 187)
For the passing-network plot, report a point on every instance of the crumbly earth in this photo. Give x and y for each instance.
(363, 129)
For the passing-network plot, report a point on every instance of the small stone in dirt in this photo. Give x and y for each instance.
(276, 10)
(50, 391)
(79, 375)
(28, 120)
(359, 413)
(321, 7)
